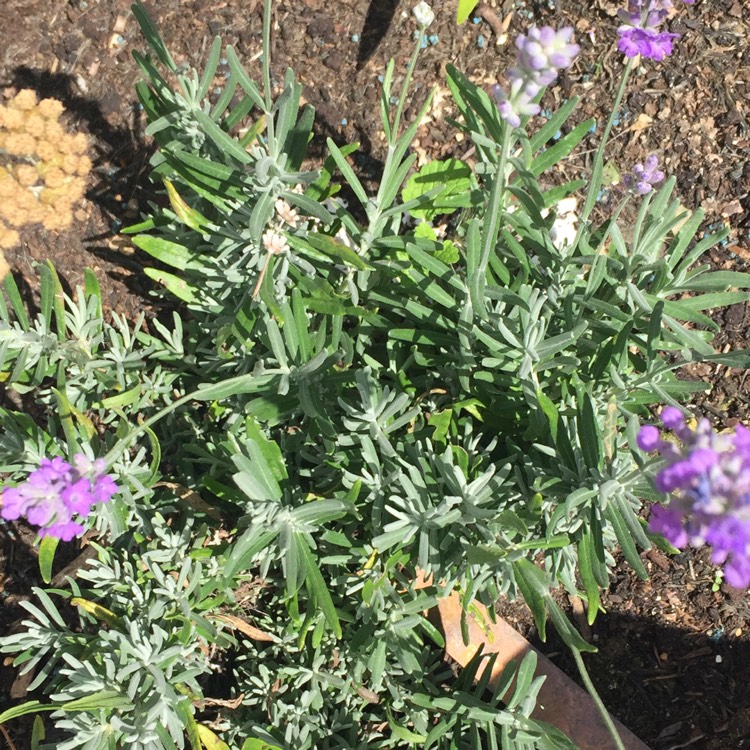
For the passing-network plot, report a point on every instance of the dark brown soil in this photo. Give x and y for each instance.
(658, 667)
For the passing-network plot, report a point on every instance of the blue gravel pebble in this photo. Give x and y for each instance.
(480, 41)
(355, 38)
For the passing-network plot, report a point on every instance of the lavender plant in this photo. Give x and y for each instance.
(351, 404)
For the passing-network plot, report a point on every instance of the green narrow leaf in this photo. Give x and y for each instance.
(209, 71)
(126, 398)
(149, 30)
(37, 733)
(615, 516)
(29, 707)
(318, 589)
(533, 586)
(65, 415)
(225, 143)
(239, 74)
(347, 171)
(47, 549)
(465, 8)
(586, 553)
(554, 124)
(174, 284)
(96, 701)
(16, 301)
(589, 434)
(329, 247)
(256, 744)
(187, 215)
(561, 149)
(242, 551)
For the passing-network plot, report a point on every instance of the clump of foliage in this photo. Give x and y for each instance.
(343, 406)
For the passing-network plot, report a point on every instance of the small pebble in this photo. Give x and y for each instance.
(355, 38)
(719, 659)
(476, 20)
(480, 41)
(433, 39)
(344, 121)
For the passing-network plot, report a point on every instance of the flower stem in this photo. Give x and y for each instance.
(597, 700)
(267, 92)
(596, 176)
(405, 88)
(493, 218)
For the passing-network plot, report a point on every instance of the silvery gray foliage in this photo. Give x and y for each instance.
(368, 403)
(138, 650)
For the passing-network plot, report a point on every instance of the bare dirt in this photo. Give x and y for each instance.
(674, 654)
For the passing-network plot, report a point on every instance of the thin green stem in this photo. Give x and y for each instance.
(405, 87)
(493, 218)
(126, 441)
(374, 209)
(596, 175)
(597, 700)
(267, 92)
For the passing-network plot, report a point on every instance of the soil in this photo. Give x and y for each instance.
(674, 653)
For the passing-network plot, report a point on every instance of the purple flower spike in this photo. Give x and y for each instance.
(56, 492)
(541, 54)
(644, 176)
(709, 476)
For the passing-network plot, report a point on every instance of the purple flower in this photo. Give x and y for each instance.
(56, 492)
(541, 53)
(708, 475)
(644, 176)
(649, 42)
(640, 33)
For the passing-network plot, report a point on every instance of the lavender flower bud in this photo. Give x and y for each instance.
(644, 176)
(423, 13)
(541, 53)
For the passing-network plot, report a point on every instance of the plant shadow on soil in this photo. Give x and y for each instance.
(680, 688)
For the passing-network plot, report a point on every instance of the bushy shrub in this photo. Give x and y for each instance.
(349, 418)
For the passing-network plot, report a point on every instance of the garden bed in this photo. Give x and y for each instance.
(658, 667)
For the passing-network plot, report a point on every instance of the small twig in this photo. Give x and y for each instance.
(262, 276)
(11, 746)
(486, 13)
